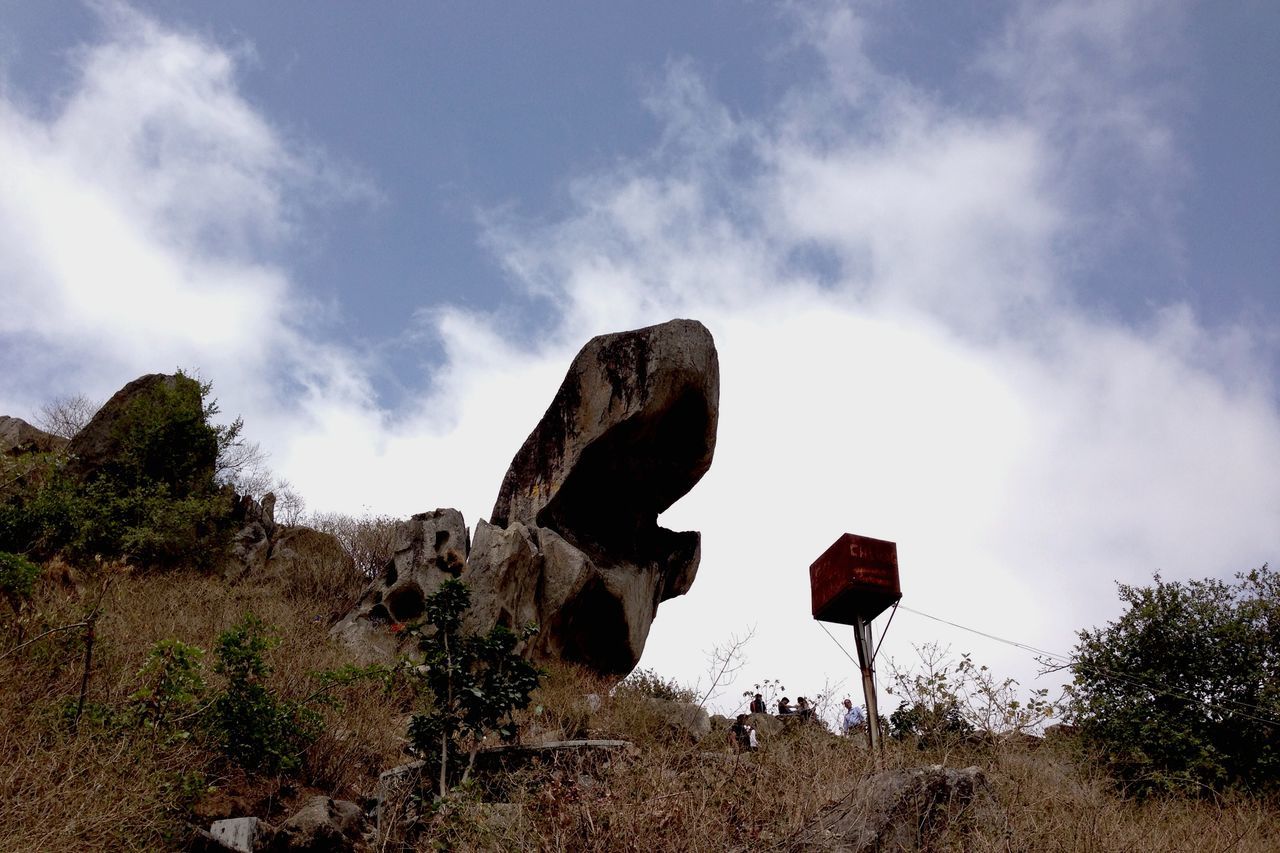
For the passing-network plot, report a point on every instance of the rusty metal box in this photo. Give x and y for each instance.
(856, 576)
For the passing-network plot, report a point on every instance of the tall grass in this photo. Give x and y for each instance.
(100, 786)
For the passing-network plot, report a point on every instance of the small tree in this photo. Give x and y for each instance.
(474, 683)
(66, 416)
(1183, 690)
(256, 728)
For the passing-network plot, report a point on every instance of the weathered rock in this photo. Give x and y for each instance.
(683, 718)
(766, 724)
(430, 548)
(631, 430)
(322, 825)
(18, 437)
(251, 545)
(301, 550)
(574, 546)
(154, 423)
(910, 809)
(241, 834)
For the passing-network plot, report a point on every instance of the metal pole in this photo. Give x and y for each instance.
(862, 638)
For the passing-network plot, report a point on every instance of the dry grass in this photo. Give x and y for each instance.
(102, 788)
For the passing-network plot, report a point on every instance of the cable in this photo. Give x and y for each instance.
(1118, 676)
(1099, 670)
(1024, 646)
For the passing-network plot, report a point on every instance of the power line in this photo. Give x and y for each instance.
(1105, 672)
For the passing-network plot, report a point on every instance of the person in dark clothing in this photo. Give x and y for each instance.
(784, 706)
(758, 706)
(742, 736)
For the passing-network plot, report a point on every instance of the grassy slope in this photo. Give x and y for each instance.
(98, 788)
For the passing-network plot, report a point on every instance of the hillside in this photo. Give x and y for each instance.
(173, 657)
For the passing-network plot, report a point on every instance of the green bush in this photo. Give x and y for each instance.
(173, 684)
(152, 499)
(646, 682)
(255, 728)
(17, 577)
(474, 684)
(1182, 692)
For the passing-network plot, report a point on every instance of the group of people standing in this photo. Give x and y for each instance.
(742, 735)
(801, 709)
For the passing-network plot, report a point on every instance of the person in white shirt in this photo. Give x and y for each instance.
(853, 718)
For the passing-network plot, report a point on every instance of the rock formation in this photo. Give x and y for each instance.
(18, 437)
(919, 808)
(573, 544)
(155, 424)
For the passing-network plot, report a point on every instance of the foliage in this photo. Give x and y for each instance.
(152, 500)
(474, 683)
(257, 729)
(17, 577)
(948, 701)
(646, 682)
(172, 685)
(369, 539)
(1183, 690)
(929, 710)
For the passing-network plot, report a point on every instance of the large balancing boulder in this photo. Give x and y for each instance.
(574, 542)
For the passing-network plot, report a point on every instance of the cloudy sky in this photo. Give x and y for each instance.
(994, 280)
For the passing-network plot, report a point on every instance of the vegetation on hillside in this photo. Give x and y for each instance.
(144, 695)
(1182, 692)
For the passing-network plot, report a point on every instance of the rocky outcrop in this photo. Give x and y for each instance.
(430, 548)
(574, 546)
(153, 426)
(251, 544)
(919, 808)
(322, 825)
(630, 431)
(18, 437)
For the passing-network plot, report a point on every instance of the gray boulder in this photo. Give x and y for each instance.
(18, 437)
(682, 718)
(921, 808)
(574, 545)
(322, 825)
(630, 431)
(430, 548)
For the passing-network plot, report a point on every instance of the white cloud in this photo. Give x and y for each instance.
(138, 215)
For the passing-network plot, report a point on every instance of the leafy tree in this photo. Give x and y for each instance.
(947, 701)
(1182, 692)
(930, 708)
(475, 683)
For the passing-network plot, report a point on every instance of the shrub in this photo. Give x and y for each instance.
(255, 728)
(172, 685)
(17, 577)
(474, 683)
(646, 682)
(1183, 690)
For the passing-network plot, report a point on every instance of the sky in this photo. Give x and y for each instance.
(996, 281)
